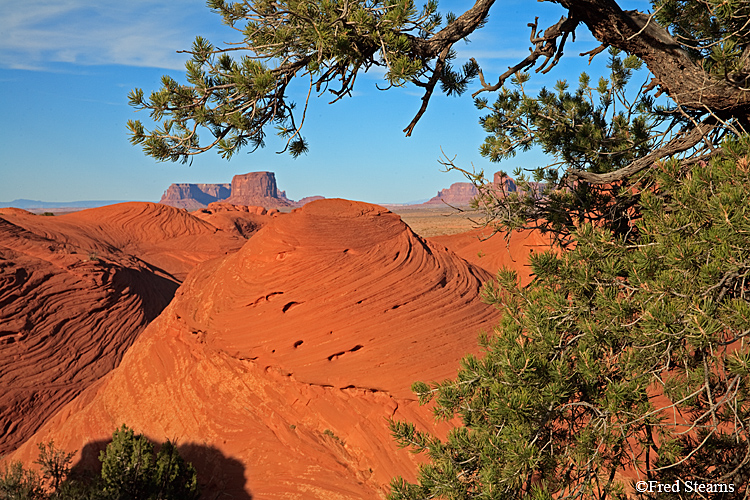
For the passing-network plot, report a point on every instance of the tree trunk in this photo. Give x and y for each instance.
(679, 76)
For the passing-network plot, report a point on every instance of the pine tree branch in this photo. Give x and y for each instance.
(687, 83)
(682, 142)
(460, 28)
(544, 45)
(429, 88)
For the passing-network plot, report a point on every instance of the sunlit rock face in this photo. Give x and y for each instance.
(76, 291)
(194, 196)
(252, 189)
(460, 193)
(257, 188)
(289, 356)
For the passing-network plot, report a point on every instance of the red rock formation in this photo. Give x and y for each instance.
(307, 199)
(462, 193)
(218, 207)
(257, 188)
(502, 180)
(14, 211)
(235, 219)
(254, 185)
(493, 252)
(252, 189)
(194, 196)
(77, 289)
(459, 194)
(290, 355)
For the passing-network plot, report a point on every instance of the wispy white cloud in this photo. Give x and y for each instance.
(464, 53)
(147, 33)
(87, 32)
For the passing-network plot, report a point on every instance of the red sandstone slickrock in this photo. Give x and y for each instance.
(289, 356)
(76, 290)
(278, 363)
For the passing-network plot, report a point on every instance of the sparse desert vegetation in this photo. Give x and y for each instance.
(331, 352)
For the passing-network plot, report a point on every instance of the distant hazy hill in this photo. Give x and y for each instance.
(27, 204)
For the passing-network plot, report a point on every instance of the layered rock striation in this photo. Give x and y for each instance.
(289, 356)
(75, 292)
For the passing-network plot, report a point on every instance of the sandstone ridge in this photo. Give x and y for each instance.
(289, 356)
(76, 290)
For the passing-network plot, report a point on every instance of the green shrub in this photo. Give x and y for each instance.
(16, 483)
(130, 471)
(54, 464)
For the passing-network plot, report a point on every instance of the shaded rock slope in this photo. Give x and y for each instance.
(289, 356)
(76, 290)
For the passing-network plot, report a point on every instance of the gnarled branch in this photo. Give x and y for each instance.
(545, 45)
(680, 143)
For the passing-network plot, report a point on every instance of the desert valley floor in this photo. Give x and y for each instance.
(272, 346)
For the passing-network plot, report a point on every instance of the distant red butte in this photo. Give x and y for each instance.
(277, 367)
(76, 290)
(459, 194)
(194, 196)
(252, 189)
(496, 250)
(503, 181)
(462, 193)
(257, 188)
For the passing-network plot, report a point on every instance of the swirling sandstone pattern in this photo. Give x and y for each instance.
(76, 290)
(290, 355)
(493, 252)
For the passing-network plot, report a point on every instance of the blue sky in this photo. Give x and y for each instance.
(66, 67)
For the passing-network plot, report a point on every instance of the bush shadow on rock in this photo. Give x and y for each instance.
(219, 476)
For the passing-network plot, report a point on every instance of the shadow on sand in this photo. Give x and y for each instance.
(220, 477)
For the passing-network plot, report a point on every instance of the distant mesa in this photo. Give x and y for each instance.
(251, 189)
(257, 188)
(460, 193)
(194, 196)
